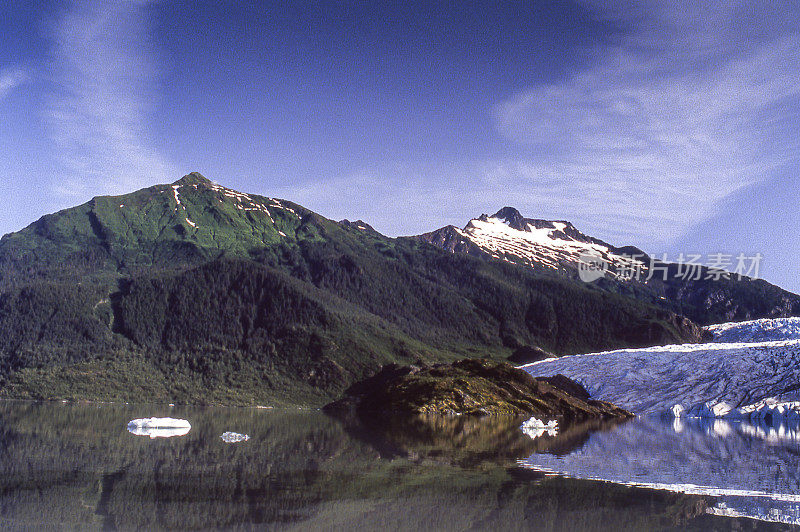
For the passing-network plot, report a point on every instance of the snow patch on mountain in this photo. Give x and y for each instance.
(246, 202)
(177, 196)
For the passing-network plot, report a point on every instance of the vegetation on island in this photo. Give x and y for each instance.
(472, 387)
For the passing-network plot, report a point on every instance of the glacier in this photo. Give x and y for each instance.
(763, 330)
(719, 419)
(749, 370)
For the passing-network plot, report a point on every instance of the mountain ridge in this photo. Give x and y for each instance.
(559, 247)
(193, 292)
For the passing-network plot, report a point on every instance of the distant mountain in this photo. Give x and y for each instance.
(539, 244)
(194, 292)
(561, 249)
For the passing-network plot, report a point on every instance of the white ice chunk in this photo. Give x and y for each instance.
(535, 427)
(677, 411)
(234, 437)
(160, 423)
(159, 427)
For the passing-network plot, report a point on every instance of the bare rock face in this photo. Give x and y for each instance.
(477, 387)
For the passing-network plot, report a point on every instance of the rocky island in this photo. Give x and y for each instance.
(477, 387)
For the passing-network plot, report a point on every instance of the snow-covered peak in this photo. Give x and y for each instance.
(558, 245)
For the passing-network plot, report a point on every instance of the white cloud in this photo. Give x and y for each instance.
(696, 102)
(107, 79)
(10, 79)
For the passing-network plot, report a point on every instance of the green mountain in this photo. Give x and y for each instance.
(192, 292)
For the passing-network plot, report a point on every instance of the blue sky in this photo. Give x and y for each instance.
(669, 125)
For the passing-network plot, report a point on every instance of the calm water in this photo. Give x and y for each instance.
(77, 466)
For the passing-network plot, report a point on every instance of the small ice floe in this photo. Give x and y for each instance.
(159, 427)
(535, 427)
(234, 437)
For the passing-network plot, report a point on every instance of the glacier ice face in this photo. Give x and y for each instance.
(234, 437)
(655, 379)
(771, 410)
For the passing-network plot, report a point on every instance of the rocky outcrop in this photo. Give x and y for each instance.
(471, 387)
(451, 239)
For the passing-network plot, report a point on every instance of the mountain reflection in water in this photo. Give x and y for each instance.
(77, 466)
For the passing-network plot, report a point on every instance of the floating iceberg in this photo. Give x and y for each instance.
(535, 427)
(159, 427)
(234, 437)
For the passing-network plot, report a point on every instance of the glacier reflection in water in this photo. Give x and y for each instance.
(749, 470)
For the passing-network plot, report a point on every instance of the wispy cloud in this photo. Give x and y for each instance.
(10, 79)
(696, 102)
(107, 78)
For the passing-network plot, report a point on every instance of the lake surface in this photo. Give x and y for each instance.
(78, 466)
